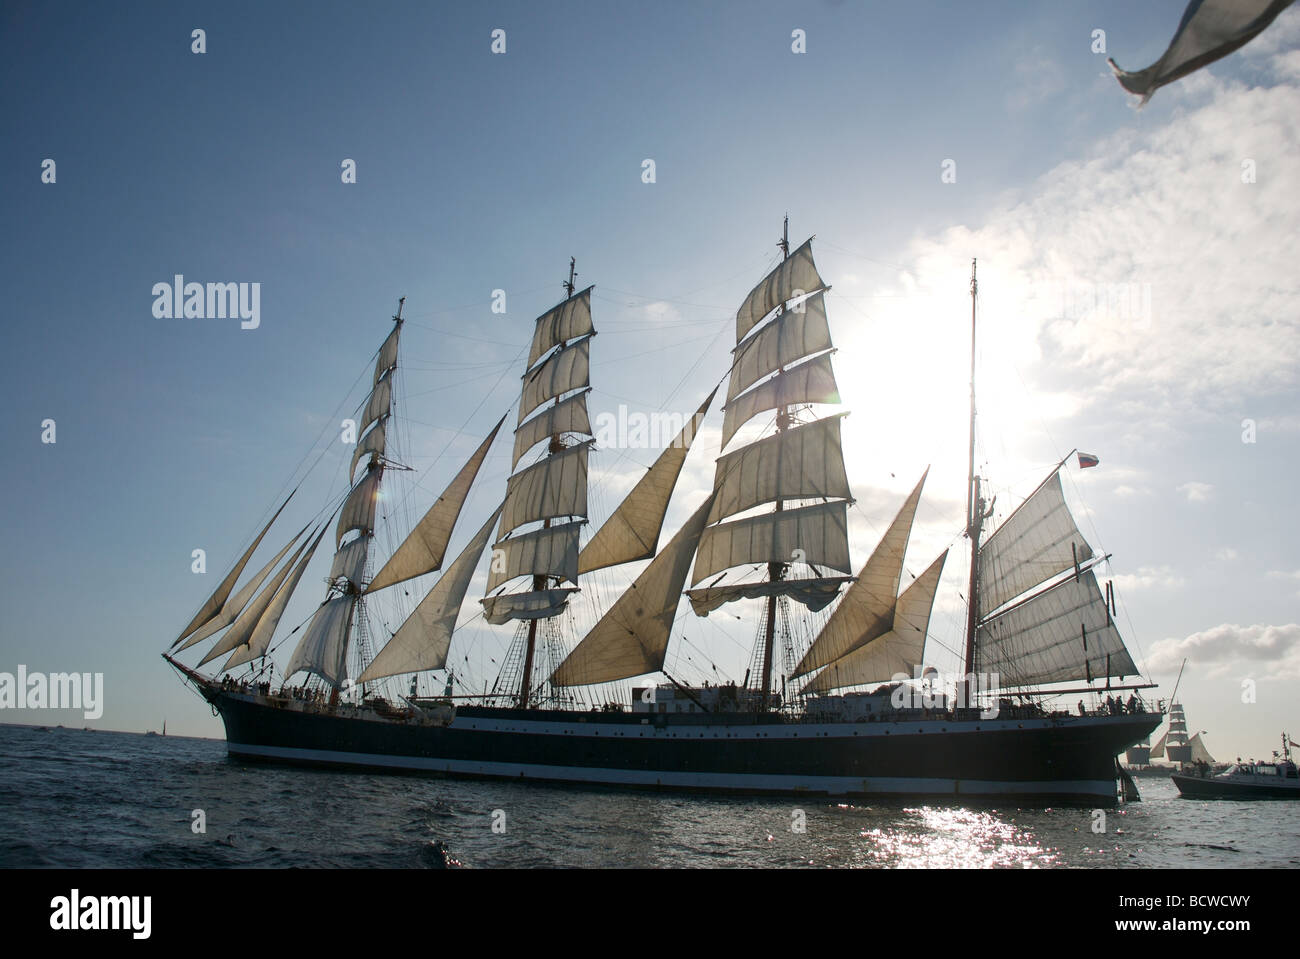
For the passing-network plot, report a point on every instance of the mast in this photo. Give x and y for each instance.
(540, 582)
(775, 571)
(975, 513)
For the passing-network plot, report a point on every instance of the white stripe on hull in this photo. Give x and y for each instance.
(739, 782)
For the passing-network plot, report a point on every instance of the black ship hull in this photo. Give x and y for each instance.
(1043, 760)
(1200, 787)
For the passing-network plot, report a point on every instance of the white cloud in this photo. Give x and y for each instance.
(1226, 554)
(1229, 648)
(1196, 492)
(1148, 577)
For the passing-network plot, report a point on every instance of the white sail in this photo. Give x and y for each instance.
(819, 533)
(379, 405)
(423, 549)
(359, 508)
(557, 486)
(217, 601)
(537, 604)
(423, 640)
(867, 610)
(1036, 542)
(246, 622)
(800, 463)
(236, 603)
(567, 416)
(350, 561)
(324, 644)
(797, 272)
(1158, 750)
(1198, 751)
(387, 358)
(552, 551)
(566, 369)
(1062, 634)
(816, 593)
(811, 382)
(568, 321)
(632, 532)
(372, 442)
(260, 640)
(632, 638)
(793, 335)
(897, 651)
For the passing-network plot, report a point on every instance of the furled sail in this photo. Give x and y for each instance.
(868, 608)
(568, 321)
(1064, 633)
(811, 382)
(632, 638)
(897, 651)
(816, 593)
(632, 532)
(819, 534)
(550, 551)
(217, 601)
(556, 486)
(1036, 542)
(566, 369)
(236, 603)
(795, 273)
(359, 508)
(537, 604)
(791, 336)
(247, 621)
(260, 640)
(324, 645)
(379, 405)
(423, 549)
(805, 462)
(567, 416)
(423, 640)
(372, 442)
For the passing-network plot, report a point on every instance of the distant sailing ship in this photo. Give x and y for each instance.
(771, 531)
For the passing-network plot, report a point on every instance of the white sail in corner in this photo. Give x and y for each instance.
(422, 641)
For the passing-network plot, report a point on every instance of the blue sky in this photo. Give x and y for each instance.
(479, 171)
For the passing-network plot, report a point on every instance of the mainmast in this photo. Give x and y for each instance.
(775, 571)
(975, 510)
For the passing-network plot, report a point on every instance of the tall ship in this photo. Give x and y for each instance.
(836, 700)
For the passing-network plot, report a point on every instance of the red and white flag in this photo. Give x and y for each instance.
(1086, 460)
